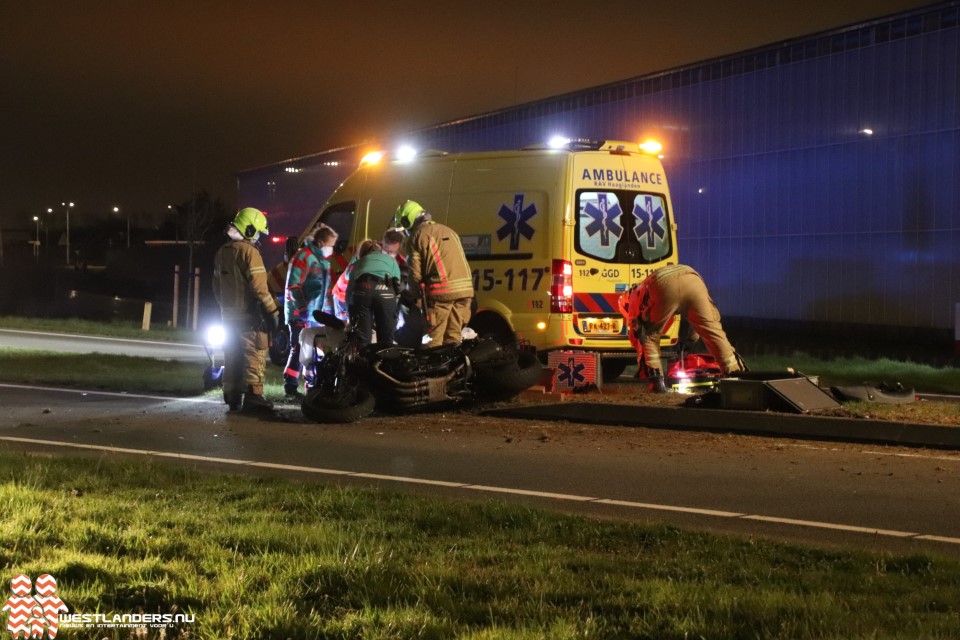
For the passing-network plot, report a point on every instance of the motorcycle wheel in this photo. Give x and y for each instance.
(511, 378)
(321, 407)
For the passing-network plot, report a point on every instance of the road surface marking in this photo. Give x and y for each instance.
(107, 338)
(116, 394)
(869, 452)
(492, 489)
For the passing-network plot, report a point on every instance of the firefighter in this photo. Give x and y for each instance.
(246, 306)
(308, 290)
(372, 294)
(651, 305)
(437, 262)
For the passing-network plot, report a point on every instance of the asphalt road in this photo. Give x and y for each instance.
(870, 497)
(70, 343)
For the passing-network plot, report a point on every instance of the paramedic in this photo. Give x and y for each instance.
(436, 261)
(651, 305)
(308, 290)
(372, 294)
(240, 287)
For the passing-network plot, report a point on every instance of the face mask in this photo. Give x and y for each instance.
(326, 251)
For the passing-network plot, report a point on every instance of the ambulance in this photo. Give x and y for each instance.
(554, 233)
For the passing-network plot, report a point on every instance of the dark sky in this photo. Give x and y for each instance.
(134, 103)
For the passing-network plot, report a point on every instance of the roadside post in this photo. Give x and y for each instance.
(176, 294)
(147, 311)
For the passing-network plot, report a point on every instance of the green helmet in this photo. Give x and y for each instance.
(407, 214)
(249, 222)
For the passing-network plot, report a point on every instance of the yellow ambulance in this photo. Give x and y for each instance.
(554, 233)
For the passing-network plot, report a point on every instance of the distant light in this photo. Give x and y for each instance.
(332, 164)
(406, 153)
(35, 218)
(701, 190)
(292, 170)
(276, 239)
(866, 132)
(116, 209)
(558, 142)
(651, 147)
(372, 158)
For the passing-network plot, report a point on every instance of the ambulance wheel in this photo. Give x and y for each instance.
(490, 324)
(613, 369)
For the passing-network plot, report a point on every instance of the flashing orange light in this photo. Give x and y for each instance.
(372, 158)
(651, 147)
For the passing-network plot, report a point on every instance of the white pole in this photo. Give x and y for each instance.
(196, 295)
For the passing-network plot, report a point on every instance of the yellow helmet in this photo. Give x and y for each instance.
(406, 215)
(249, 222)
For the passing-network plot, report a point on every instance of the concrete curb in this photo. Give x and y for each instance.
(748, 422)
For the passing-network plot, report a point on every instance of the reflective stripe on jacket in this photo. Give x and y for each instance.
(437, 260)
(240, 283)
(308, 285)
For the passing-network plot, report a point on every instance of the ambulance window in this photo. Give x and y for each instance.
(650, 226)
(340, 217)
(598, 225)
(623, 227)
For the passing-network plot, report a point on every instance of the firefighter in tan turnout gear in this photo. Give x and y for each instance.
(651, 305)
(248, 310)
(438, 263)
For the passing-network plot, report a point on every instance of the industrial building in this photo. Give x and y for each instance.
(816, 181)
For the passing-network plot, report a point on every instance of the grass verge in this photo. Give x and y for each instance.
(272, 558)
(108, 372)
(845, 371)
(115, 329)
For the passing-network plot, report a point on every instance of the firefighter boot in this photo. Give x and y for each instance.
(657, 383)
(255, 402)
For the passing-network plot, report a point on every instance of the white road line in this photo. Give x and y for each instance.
(116, 394)
(108, 338)
(875, 453)
(492, 489)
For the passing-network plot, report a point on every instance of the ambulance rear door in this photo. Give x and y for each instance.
(622, 231)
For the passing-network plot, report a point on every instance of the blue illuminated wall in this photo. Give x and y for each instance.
(786, 205)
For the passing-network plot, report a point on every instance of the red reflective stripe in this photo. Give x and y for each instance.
(436, 258)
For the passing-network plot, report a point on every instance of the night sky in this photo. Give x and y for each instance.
(136, 103)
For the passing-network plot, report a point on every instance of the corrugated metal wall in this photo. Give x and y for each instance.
(785, 204)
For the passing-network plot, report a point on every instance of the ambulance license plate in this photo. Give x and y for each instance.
(607, 326)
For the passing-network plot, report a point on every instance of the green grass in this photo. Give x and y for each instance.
(115, 373)
(115, 329)
(841, 371)
(271, 558)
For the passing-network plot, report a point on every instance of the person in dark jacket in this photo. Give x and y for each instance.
(372, 294)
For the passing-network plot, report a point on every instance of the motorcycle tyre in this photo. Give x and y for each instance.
(323, 409)
(511, 378)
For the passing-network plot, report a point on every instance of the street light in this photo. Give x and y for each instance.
(36, 246)
(117, 210)
(46, 231)
(66, 207)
